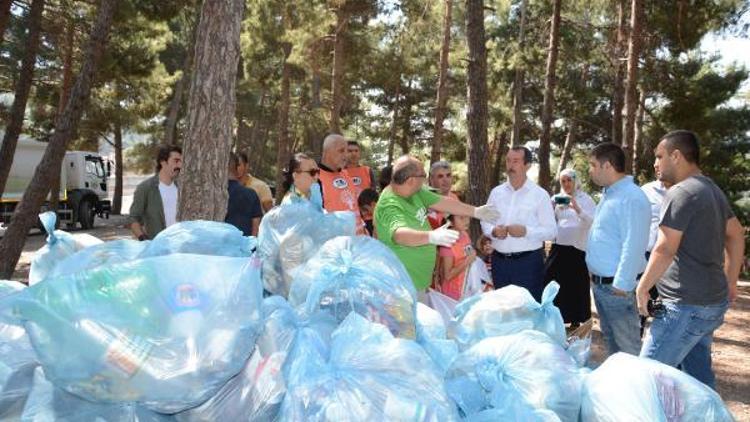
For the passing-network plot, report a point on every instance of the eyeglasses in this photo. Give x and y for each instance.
(311, 172)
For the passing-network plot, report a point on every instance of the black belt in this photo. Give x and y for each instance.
(597, 279)
(516, 255)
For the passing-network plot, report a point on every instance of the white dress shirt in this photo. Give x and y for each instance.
(573, 227)
(528, 206)
(655, 192)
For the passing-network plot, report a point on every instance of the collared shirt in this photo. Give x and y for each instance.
(528, 206)
(655, 192)
(573, 227)
(619, 234)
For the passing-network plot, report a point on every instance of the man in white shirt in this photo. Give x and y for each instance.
(526, 221)
(655, 192)
(155, 199)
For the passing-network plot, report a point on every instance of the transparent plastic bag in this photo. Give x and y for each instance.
(365, 375)
(166, 332)
(290, 234)
(431, 335)
(107, 253)
(508, 310)
(60, 245)
(202, 238)
(626, 387)
(48, 403)
(516, 374)
(444, 305)
(360, 274)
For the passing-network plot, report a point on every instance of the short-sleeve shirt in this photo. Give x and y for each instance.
(454, 287)
(700, 210)
(242, 207)
(260, 187)
(394, 212)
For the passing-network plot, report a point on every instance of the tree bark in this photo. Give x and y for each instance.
(117, 197)
(23, 87)
(25, 215)
(476, 114)
(549, 99)
(570, 139)
(203, 189)
(282, 150)
(442, 90)
(498, 151)
(631, 92)
(67, 80)
(4, 17)
(394, 121)
(618, 94)
(515, 138)
(337, 76)
(640, 149)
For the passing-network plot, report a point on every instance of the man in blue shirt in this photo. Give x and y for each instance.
(616, 248)
(243, 207)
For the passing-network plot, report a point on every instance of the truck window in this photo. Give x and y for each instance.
(95, 166)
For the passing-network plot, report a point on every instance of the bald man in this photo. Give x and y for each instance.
(336, 185)
(401, 221)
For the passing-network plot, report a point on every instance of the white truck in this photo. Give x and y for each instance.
(83, 184)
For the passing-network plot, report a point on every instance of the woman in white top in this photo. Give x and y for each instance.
(566, 264)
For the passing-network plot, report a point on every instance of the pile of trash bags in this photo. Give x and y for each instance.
(204, 324)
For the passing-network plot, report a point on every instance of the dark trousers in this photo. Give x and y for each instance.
(567, 266)
(525, 271)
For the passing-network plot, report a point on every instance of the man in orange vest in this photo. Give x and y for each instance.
(336, 185)
(362, 176)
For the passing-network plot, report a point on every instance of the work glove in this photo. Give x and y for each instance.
(487, 213)
(443, 236)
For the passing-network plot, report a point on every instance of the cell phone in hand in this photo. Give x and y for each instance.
(562, 200)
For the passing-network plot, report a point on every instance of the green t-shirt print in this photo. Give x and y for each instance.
(393, 212)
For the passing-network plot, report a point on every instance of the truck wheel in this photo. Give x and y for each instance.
(86, 215)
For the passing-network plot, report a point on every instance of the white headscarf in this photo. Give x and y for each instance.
(573, 175)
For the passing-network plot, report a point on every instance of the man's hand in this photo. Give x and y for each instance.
(443, 236)
(517, 230)
(641, 297)
(500, 232)
(732, 293)
(487, 213)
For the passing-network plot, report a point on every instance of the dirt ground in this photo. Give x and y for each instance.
(731, 349)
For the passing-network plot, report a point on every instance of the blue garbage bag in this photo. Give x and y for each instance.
(360, 274)
(201, 238)
(17, 362)
(256, 393)
(431, 335)
(60, 245)
(107, 253)
(516, 374)
(627, 387)
(48, 403)
(166, 332)
(508, 310)
(290, 234)
(365, 375)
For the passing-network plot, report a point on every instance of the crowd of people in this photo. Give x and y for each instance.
(671, 249)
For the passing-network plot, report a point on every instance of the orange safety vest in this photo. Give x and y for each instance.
(360, 178)
(340, 195)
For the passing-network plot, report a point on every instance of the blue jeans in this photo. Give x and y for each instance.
(525, 271)
(683, 336)
(618, 317)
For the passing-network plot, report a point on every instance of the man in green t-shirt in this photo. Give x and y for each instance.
(401, 221)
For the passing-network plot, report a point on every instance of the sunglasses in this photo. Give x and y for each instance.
(311, 172)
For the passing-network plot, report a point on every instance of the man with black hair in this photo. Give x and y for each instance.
(527, 220)
(362, 176)
(695, 263)
(616, 248)
(243, 207)
(154, 205)
(258, 186)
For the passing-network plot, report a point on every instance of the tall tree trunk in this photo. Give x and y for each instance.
(498, 152)
(337, 77)
(253, 141)
(203, 189)
(282, 153)
(173, 114)
(515, 138)
(476, 114)
(117, 198)
(631, 92)
(549, 99)
(25, 215)
(640, 149)
(23, 87)
(442, 91)
(394, 121)
(570, 140)
(4, 17)
(618, 59)
(67, 80)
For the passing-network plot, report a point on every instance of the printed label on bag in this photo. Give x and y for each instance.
(127, 355)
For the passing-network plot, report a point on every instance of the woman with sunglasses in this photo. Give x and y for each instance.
(301, 180)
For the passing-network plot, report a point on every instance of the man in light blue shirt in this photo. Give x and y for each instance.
(616, 248)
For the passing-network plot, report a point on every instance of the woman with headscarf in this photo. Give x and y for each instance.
(566, 264)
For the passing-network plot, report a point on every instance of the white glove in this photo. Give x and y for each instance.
(487, 213)
(443, 236)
